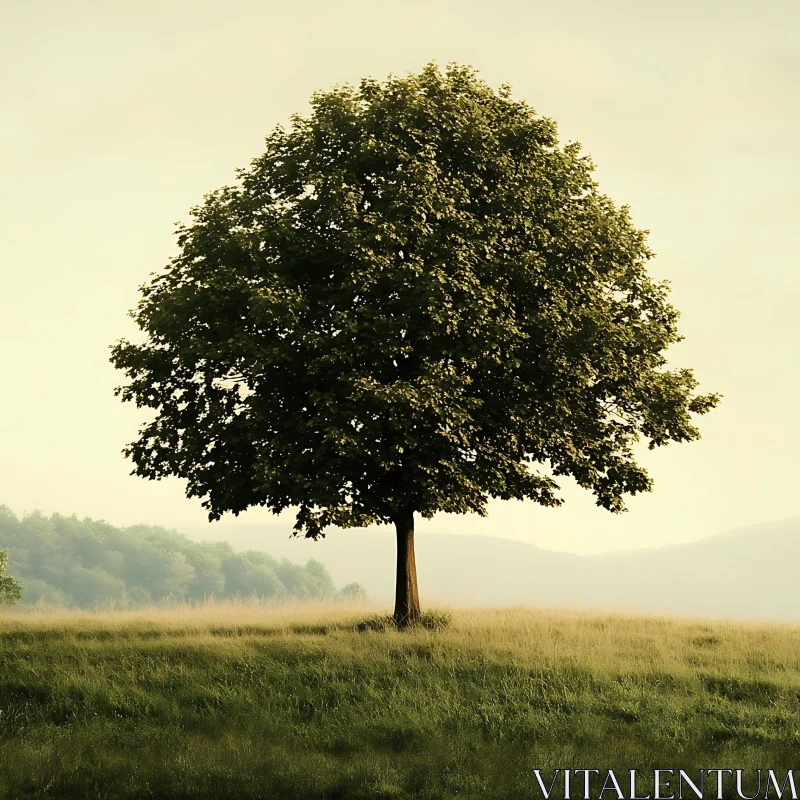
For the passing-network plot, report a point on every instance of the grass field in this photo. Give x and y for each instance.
(242, 700)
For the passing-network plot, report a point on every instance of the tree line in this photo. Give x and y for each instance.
(84, 563)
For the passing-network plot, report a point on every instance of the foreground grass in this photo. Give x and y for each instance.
(238, 701)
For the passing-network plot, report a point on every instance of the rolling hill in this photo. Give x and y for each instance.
(744, 573)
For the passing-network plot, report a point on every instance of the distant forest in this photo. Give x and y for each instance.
(86, 563)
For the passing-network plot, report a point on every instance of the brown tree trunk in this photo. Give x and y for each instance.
(406, 606)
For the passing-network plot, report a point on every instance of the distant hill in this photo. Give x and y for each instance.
(744, 573)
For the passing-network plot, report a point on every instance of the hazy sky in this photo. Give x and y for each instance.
(116, 118)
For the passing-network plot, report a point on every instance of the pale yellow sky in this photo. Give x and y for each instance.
(115, 118)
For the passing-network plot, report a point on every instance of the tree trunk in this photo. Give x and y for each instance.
(406, 606)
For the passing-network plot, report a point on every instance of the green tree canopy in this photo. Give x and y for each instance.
(414, 300)
(86, 563)
(10, 590)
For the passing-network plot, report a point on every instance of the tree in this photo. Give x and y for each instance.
(353, 591)
(10, 590)
(414, 300)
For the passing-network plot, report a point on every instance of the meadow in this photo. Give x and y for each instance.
(260, 700)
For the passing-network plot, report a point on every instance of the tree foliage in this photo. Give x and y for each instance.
(354, 591)
(10, 590)
(414, 300)
(84, 563)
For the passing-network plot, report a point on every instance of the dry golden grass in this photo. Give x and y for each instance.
(185, 618)
(545, 635)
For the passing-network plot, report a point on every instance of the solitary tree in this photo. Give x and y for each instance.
(10, 590)
(414, 300)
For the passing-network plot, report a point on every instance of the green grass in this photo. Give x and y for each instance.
(323, 702)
